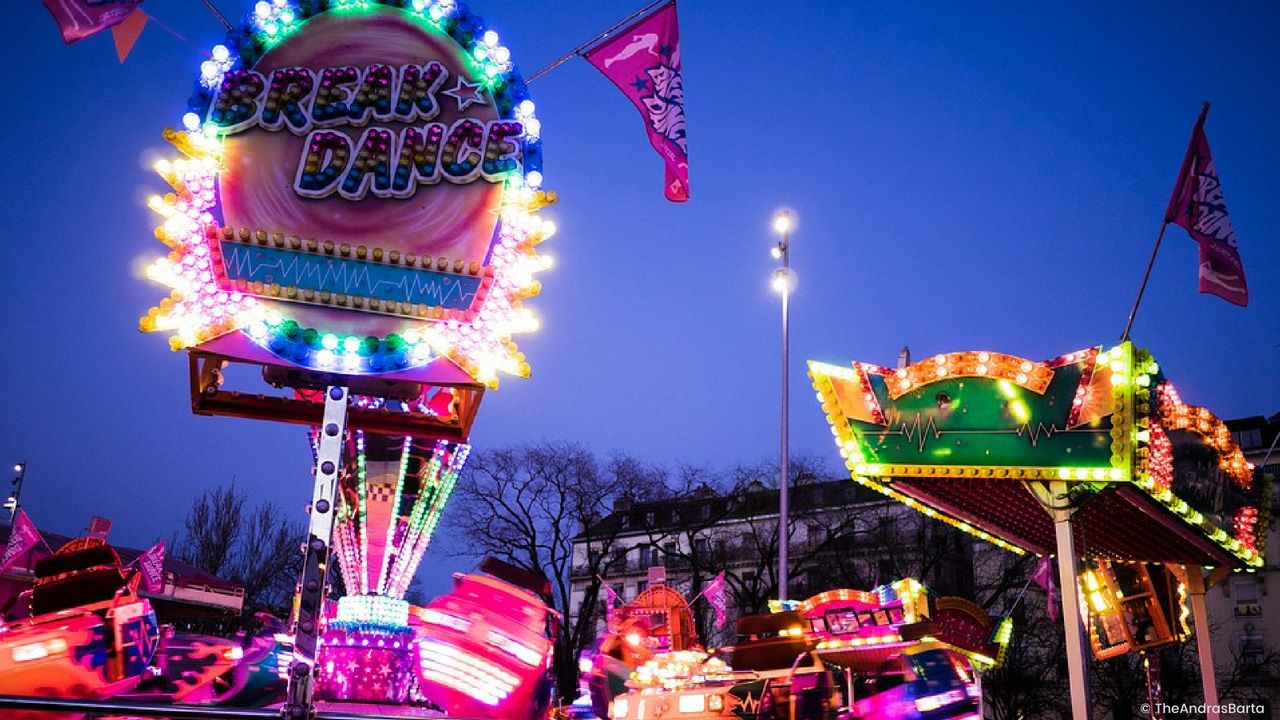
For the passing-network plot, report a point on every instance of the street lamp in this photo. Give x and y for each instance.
(783, 283)
(11, 504)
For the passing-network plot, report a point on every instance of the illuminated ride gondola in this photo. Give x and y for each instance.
(484, 649)
(893, 652)
(657, 621)
(90, 635)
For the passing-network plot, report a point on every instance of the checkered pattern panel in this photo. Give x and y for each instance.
(379, 493)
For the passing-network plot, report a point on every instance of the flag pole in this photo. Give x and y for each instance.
(1142, 288)
(579, 49)
(216, 14)
(1183, 176)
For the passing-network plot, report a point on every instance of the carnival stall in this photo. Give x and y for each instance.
(1084, 456)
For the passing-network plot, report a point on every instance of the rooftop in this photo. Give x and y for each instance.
(707, 507)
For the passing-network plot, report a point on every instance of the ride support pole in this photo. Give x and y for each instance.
(1204, 648)
(316, 556)
(1073, 625)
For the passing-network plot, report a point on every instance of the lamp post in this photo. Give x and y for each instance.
(783, 283)
(20, 472)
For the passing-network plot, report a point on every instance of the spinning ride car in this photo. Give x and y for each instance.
(899, 652)
(484, 648)
(657, 621)
(89, 636)
(893, 652)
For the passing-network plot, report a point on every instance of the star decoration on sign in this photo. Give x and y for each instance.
(467, 94)
(640, 85)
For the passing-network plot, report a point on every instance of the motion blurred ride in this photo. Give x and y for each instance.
(90, 635)
(893, 652)
(249, 670)
(657, 621)
(484, 648)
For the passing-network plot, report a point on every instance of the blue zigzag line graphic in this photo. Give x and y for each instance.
(348, 277)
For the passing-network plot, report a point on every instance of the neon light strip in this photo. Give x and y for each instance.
(274, 273)
(394, 520)
(361, 490)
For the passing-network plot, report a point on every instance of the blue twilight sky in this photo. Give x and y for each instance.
(967, 176)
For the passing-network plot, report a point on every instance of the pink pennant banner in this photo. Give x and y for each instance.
(715, 595)
(151, 565)
(610, 599)
(78, 19)
(22, 537)
(1043, 576)
(1199, 207)
(644, 62)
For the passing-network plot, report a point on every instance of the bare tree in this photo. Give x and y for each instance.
(526, 505)
(256, 546)
(210, 529)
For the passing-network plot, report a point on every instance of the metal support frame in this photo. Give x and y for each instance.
(208, 397)
(1204, 648)
(1056, 498)
(315, 566)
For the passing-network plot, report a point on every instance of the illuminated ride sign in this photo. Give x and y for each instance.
(359, 193)
(942, 434)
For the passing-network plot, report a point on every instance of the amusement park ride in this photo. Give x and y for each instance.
(352, 230)
(1073, 457)
(353, 219)
(892, 652)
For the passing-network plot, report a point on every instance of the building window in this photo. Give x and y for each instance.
(1252, 644)
(701, 546)
(649, 556)
(669, 549)
(641, 585)
(649, 518)
(816, 534)
(888, 530)
(1245, 592)
(1248, 439)
(704, 511)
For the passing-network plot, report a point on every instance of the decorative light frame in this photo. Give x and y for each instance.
(200, 308)
(1143, 405)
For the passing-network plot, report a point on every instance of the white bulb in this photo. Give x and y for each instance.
(532, 128)
(533, 178)
(221, 53)
(525, 107)
(262, 9)
(208, 69)
(191, 121)
(490, 38)
(782, 223)
(501, 55)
